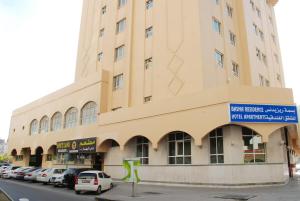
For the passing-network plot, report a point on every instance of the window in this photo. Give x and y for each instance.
(100, 56)
(56, 121)
(232, 38)
(122, 3)
(254, 148)
(255, 29)
(147, 99)
(261, 80)
(149, 4)
(216, 146)
(19, 157)
(34, 127)
(121, 26)
(179, 148)
(258, 12)
(274, 38)
(258, 53)
(216, 25)
(142, 149)
(278, 77)
(101, 33)
(49, 157)
(149, 32)
(235, 69)
(261, 34)
(118, 82)
(267, 83)
(71, 118)
(219, 57)
(89, 113)
(252, 5)
(264, 58)
(148, 63)
(217, 1)
(119, 52)
(103, 10)
(229, 10)
(44, 125)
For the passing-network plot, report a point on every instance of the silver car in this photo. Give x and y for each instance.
(31, 176)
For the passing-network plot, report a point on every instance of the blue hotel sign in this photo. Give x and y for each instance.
(250, 113)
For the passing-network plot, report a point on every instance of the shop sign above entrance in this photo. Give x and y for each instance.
(87, 145)
(253, 113)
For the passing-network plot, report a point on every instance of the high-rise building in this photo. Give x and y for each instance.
(193, 88)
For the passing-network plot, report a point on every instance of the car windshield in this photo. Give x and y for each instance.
(87, 176)
(58, 171)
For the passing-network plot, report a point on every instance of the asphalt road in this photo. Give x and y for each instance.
(18, 190)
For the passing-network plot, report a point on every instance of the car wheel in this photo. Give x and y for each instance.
(99, 190)
(77, 192)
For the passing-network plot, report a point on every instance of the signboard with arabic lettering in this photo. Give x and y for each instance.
(252, 113)
(87, 145)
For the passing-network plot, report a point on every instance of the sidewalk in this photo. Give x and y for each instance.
(122, 192)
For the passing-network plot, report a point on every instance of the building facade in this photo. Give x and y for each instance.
(155, 79)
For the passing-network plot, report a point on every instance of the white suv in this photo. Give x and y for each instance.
(96, 181)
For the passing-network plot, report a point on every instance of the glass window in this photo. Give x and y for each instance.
(149, 4)
(142, 149)
(122, 3)
(149, 32)
(56, 121)
(44, 124)
(34, 127)
(118, 82)
(232, 38)
(147, 99)
(121, 26)
(100, 56)
(254, 147)
(219, 57)
(216, 25)
(216, 146)
(103, 10)
(179, 148)
(148, 63)
(235, 69)
(101, 32)
(71, 118)
(89, 113)
(229, 10)
(119, 52)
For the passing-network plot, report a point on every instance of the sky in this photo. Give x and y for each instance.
(38, 48)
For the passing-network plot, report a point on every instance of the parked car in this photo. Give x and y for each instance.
(96, 181)
(45, 176)
(3, 169)
(8, 172)
(31, 176)
(71, 175)
(58, 179)
(21, 174)
(16, 171)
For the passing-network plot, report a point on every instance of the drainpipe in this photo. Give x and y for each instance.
(288, 151)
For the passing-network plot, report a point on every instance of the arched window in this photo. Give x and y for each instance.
(56, 121)
(71, 118)
(254, 147)
(179, 148)
(44, 124)
(89, 113)
(34, 127)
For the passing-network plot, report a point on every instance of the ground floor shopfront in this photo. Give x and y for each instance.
(190, 140)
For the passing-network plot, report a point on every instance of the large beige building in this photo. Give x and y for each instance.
(160, 80)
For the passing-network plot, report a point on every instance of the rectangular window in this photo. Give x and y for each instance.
(258, 53)
(217, 2)
(121, 3)
(216, 146)
(149, 32)
(101, 33)
(258, 12)
(216, 25)
(278, 77)
(254, 147)
(267, 83)
(252, 5)
(219, 58)
(119, 52)
(147, 99)
(235, 69)
(121, 26)
(103, 10)
(179, 148)
(100, 56)
(261, 34)
(255, 29)
(149, 4)
(232, 38)
(264, 58)
(118, 82)
(229, 10)
(274, 39)
(261, 80)
(148, 63)
(142, 150)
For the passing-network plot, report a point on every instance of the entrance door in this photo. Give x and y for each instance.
(98, 161)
